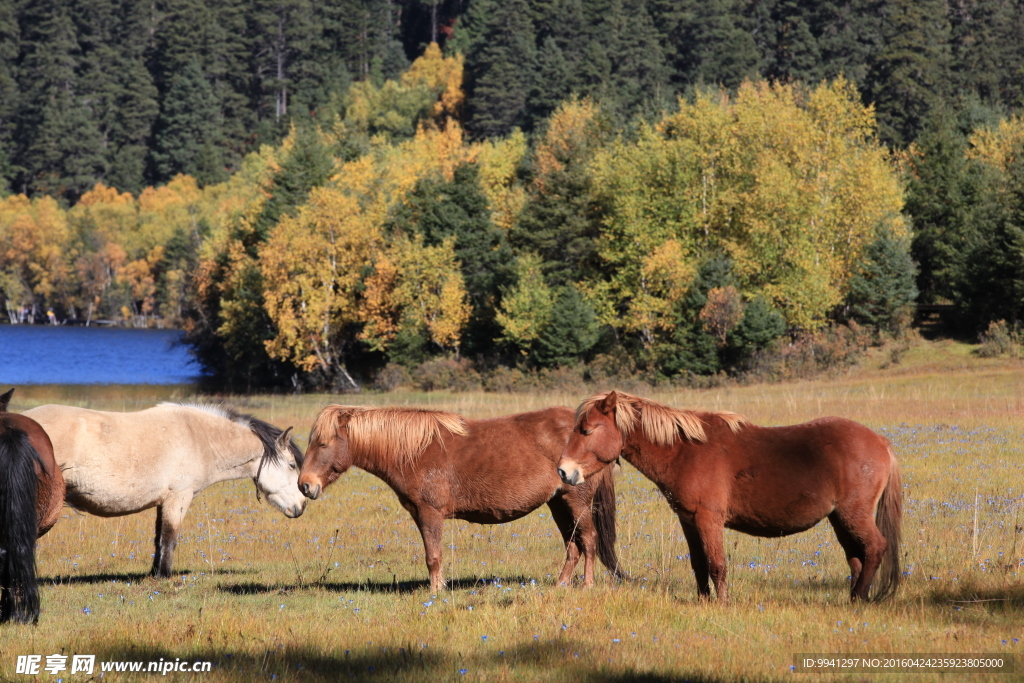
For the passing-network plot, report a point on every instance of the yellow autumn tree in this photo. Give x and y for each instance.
(789, 182)
(998, 145)
(419, 287)
(312, 267)
(527, 307)
(498, 161)
(36, 253)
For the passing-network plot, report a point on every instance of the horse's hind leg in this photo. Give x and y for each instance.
(854, 550)
(579, 533)
(170, 515)
(866, 544)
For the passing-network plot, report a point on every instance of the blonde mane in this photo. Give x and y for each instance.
(389, 435)
(660, 423)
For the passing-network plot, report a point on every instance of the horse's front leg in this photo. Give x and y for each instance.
(711, 530)
(698, 560)
(431, 525)
(572, 515)
(170, 514)
(157, 545)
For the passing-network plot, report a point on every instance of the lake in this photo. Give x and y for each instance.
(44, 354)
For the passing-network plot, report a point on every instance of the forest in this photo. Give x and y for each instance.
(328, 195)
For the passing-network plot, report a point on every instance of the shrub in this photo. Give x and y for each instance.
(391, 377)
(446, 373)
(997, 340)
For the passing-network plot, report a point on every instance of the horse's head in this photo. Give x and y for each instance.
(595, 443)
(5, 400)
(278, 476)
(328, 455)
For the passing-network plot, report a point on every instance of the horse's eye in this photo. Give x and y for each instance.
(584, 431)
(291, 465)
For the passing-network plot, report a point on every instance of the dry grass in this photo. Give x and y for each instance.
(263, 596)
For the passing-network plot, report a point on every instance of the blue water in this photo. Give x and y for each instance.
(42, 354)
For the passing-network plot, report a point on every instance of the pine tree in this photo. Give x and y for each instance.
(987, 48)
(882, 294)
(284, 31)
(437, 209)
(910, 75)
(186, 134)
(500, 68)
(942, 201)
(570, 333)
(62, 151)
(308, 164)
(10, 39)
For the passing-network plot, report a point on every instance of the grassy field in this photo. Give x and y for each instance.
(341, 592)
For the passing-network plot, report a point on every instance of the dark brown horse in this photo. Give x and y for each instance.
(483, 471)
(31, 498)
(719, 471)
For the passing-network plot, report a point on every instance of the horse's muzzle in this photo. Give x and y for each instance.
(311, 491)
(571, 474)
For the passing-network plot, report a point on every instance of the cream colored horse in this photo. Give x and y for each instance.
(121, 463)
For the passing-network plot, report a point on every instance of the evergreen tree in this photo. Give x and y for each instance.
(987, 48)
(284, 31)
(437, 209)
(761, 324)
(308, 164)
(570, 333)
(991, 286)
(10, 39)
(943, 203)
(910, 75)
(882, 294)
(187, 133)
(61, 152)
(500, 67)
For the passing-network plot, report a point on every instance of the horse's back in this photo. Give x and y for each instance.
(115, 463)
(524, 441)
(503, 467)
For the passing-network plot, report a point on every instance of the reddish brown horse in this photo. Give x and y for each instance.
(31, 498)
(719, 471)
(483, 471)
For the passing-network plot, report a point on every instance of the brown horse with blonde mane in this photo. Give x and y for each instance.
(31, 498)
(484, 471)
(719, 471)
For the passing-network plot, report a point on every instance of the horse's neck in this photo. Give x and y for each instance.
(389, 473)
(650, 460)
(232, 449)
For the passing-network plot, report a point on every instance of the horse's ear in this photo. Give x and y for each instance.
(608, 403)
(283, 439)
(5, 399)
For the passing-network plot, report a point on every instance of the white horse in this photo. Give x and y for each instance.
(121, 463)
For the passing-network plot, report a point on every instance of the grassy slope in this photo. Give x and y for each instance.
(289, 599)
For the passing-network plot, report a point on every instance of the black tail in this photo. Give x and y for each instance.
(604, 519)
(19, 594)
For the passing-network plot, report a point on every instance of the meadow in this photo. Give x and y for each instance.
(341, 592)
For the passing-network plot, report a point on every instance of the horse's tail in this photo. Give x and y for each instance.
(889, 520)
(604, 520)
(19, 594)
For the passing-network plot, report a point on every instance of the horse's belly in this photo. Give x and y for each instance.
(492, 517)
(102, 498)
(772, 529)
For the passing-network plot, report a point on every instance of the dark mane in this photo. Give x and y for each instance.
(264, 431)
